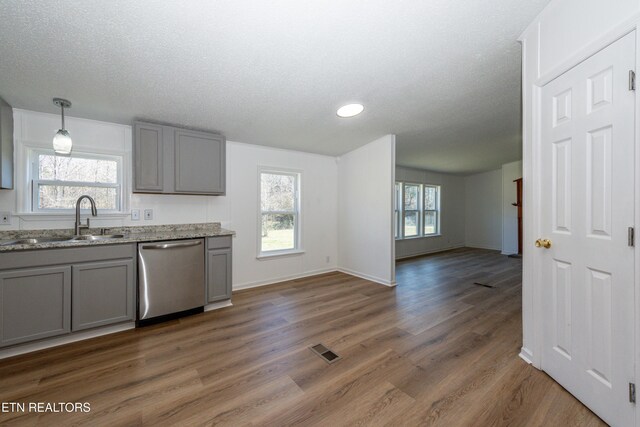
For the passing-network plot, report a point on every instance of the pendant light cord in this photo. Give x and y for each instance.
(62, 108)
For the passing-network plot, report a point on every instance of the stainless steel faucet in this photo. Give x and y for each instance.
(94, 212)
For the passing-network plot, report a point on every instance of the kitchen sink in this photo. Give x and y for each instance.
(82, 238)
(34, 241)
(94, 237)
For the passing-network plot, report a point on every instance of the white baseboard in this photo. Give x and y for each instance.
(217, 305)
(434, 251)
(57, 341)
(475, 246)
(257, 284)
(526, 355)
(367, 277)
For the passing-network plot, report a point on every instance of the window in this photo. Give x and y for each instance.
(58, 181)
(417, 210)
(279, 212)
(431, 208)
(411, 210)
(397, 210)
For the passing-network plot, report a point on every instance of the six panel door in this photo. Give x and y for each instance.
(587, 205)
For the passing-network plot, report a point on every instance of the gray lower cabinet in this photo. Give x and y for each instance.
(172, 160)
(219, 264)
(51, 292)
(103, 293)
(34, 303)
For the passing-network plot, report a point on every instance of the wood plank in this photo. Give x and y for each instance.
(435, 350)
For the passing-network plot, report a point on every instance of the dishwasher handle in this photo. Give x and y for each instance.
(173, 245)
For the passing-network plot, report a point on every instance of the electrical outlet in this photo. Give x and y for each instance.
(148, 214)
(135, 214)
(5, 218)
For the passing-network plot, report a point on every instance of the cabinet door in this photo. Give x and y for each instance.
(148, 158)
(199, 162)
(34, 303)
(218, 275)
(6, 146)
(103, 293)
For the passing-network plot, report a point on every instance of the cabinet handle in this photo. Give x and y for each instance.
(172, 245)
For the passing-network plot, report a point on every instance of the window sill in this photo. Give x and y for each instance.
(56, 216)
(418, 237)
(266, 256)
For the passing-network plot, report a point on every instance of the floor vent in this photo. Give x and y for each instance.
(482, 284)
(326, 354)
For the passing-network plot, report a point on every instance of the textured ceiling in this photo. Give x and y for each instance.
(442, 75)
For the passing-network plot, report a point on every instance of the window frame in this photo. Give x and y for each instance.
(418, 210)
(297, 213)
(436, 210)
(422, 211)
(34, 181)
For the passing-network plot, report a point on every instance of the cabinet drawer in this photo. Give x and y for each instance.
(219, 242)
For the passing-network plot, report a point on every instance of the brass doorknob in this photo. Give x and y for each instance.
(543, 243)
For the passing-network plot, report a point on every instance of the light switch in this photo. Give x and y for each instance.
(135, 214)
(148, 214)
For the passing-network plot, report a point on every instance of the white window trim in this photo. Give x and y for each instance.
(34, 180)
(419, 210)
(400, 206)
(297, 230)
(436, 210)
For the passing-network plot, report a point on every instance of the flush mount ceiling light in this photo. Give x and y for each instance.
(350, 110)
(62, 143)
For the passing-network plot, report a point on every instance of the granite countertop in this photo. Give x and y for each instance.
(151, 233)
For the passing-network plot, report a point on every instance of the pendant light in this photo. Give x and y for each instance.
(62, 143)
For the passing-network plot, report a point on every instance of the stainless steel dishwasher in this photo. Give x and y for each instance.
(170, 278)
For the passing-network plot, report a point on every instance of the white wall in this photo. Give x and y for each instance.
(483, 210)
(510, 172)
(238, 210)
(452, 213)
(365, 211)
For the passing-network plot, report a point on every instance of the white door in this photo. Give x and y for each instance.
(587, 206)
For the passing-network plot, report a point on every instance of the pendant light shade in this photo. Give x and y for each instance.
(62, 143)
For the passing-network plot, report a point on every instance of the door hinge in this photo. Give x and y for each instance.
(632, 393)
(632, 80)
(631, 236)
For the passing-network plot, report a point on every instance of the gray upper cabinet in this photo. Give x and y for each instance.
(199, 164)
(6, 146)
(102, 293)
(148, 154)
(172, 160)
(34, 303)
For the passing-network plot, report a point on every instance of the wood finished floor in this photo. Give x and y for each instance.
(436, 350)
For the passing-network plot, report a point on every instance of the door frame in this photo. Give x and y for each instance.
(532, 140)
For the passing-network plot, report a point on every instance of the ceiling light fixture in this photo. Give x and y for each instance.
(62, 143)
(350, 110)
